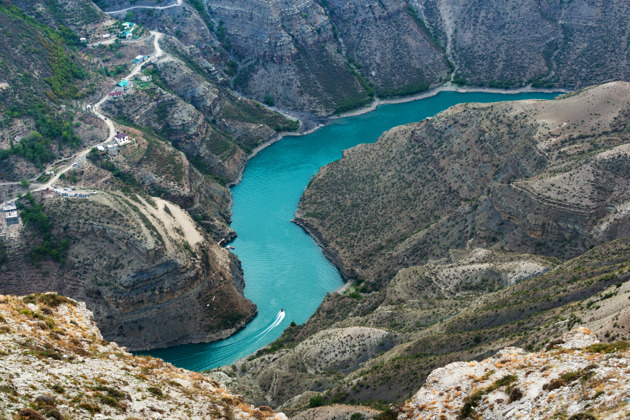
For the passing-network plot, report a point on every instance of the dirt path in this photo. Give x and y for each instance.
(158, 53)
(178, 3)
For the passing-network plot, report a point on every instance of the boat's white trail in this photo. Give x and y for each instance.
(226, 351)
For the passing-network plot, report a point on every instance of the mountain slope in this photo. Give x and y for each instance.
(330, 56)
(486, 226)
(528, 176)
(55, 364)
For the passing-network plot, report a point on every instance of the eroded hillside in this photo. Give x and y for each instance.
(545, 177)
(330, 56)
(458, 240)
(141, 264)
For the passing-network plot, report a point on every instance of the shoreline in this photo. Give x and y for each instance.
(324, 121)
(443, 88)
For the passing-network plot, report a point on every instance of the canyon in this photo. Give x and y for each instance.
(461, 237)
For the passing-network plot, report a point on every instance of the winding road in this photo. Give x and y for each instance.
(158, 53)
(178, 3)
(77, 158)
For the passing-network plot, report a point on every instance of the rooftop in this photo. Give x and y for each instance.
(11, 215)
(9, 207)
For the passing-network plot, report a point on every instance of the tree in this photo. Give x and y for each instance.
(129, 17)
(269, 100)
(25, 183)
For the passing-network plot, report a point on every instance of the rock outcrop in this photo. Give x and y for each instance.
(577, 378)
(140, 263)
(54, 363)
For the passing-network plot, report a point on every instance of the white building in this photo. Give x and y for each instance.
(121, 139)
(10, 214)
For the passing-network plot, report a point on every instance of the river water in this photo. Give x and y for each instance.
(283, 267)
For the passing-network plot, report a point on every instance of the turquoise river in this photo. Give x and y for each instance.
(283, 267)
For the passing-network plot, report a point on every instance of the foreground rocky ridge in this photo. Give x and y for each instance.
(576, 377)
(54, 363)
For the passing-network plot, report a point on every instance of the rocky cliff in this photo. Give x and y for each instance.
(192, 110)
(577, 377)
(330, 56)
(55, 364)
(140, 263)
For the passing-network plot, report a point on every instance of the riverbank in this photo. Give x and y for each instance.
(310, 123)
(348, 275)
(449, 87)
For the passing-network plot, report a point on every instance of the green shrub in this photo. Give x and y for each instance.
(316, 401)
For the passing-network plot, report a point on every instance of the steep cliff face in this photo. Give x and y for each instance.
(532, 176)
(56, 364)
(330, 56)
(290, 51)
(570, 44)
(141, 265)
(390, 45)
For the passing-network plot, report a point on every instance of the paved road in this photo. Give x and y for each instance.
(178, 3)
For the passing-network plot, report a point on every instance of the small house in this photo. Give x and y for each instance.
(83, 40)
(121, 138)
(105, 36)
(115, 94)
(9, 207)
(101, 149)
(11, 218)
(125, 84)
(139, 58)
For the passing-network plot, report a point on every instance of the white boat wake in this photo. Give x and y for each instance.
(221, 352)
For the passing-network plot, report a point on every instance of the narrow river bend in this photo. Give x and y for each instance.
(284, 268)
